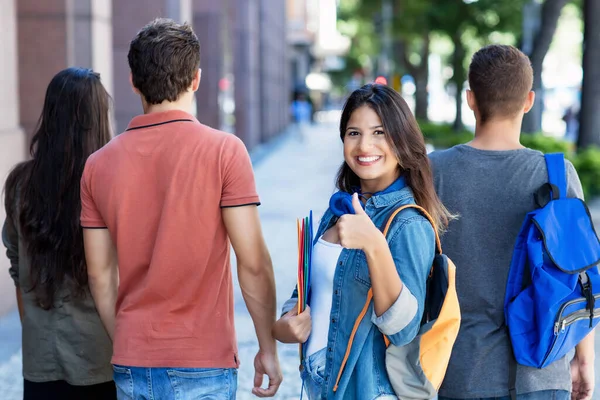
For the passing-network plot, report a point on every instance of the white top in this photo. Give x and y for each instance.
(324, 260)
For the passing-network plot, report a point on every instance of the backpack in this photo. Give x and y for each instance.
(553, 282)
(417, 369)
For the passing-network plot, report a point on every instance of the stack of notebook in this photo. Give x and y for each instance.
(305, 235)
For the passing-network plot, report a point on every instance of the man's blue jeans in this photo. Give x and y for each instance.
(135, 383)
(542, 395)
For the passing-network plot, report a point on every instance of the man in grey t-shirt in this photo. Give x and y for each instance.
(489, 183)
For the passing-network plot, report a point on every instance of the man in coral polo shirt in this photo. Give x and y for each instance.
(161, 204)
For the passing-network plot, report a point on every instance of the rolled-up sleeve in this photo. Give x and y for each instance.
(413, 248)
(10, 238)
(290, 303)
(399, 315)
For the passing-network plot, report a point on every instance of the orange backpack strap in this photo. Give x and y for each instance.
(370, 293)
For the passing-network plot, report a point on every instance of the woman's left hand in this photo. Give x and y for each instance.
(356, 231)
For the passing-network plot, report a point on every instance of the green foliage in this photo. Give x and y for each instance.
(476, 23)
(546, 144)
(442, 135)
(587, 164)
(483, 16)
(355, 20)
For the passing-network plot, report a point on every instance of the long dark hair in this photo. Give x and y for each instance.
(405, 139)
(42, 194)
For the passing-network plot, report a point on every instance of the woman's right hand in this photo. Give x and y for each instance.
(293, 327)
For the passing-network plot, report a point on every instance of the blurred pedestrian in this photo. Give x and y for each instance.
(490, 183)
(302, 112)
(385, 166)
(161, 205)
(66, 350)
(571, 119)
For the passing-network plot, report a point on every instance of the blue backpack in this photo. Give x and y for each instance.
(553, 287)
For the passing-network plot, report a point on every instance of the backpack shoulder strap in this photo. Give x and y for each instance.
(557, 177)
(362, 314)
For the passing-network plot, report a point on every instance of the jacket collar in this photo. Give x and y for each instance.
(387, 199)
(341, 202)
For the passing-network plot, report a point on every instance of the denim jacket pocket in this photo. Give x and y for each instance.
(361, 269)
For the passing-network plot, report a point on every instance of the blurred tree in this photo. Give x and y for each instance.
(358, 21)
(414, 57)
(412, 37)
(548, 20)
(463, 20)
(452, 19)
(362, 20)
(589, 117)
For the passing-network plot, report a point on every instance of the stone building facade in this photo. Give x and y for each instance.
(245, 85)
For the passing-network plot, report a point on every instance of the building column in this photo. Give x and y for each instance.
(209, 23)
(12, 138)
(274, 92)
(98, 21)
(286, 72)
(246, 71)
(54, 35)
(128, 18)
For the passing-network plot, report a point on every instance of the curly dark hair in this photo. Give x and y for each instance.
(163, 57)
(42, 194)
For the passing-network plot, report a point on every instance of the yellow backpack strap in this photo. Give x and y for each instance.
(370, 293)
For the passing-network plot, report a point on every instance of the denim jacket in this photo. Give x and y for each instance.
(411, 239)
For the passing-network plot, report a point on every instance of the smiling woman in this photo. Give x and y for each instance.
(385, 169)
(382, 141)
(367, 151)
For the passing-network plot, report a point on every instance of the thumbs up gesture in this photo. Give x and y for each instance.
(356, 231)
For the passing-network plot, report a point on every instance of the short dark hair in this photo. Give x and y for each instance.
(500, 77)
(164, 57)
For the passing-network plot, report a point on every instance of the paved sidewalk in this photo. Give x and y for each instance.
(293, 179)
(292, 176)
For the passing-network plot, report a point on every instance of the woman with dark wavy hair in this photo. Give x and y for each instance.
(66, 350)
(385, 167)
